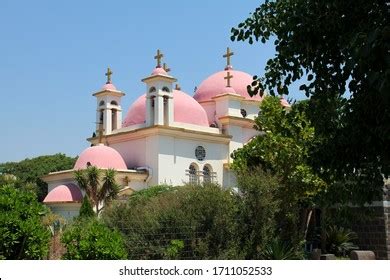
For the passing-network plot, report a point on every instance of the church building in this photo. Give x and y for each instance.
(167, 136)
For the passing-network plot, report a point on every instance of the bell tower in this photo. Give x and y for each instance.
(109, 111)
(159, 95)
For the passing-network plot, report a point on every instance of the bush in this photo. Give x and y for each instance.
(22, 234)
(196, 222)
(339, 241)
(89, 239)
(86, 210)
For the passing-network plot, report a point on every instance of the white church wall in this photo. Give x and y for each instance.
(133, 152)
(66, 210)
(251, 108)
(176, 155)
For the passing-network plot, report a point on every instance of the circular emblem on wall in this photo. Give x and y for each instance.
(200, 153)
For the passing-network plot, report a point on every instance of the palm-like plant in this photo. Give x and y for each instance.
(99, 185)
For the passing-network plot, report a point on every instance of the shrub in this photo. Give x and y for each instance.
(89, 239)
(22, 234)
(339, 240)
(86, 210)
(196, 222)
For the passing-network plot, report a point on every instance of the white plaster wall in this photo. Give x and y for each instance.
(176, 155)
(133, 152)
(66, 210)
(252, 109)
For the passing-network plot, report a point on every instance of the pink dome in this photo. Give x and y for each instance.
(159, 71)
(63, 194)
(100, 156)
(186, 110)
(215, 84)
(109, 87)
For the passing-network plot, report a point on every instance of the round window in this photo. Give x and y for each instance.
(200, 153)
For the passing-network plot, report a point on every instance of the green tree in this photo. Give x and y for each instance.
(333, 47)
(284, 149)
(89, 239)
(22, 234)
(99, 185)
(86, 210)
(30, 171)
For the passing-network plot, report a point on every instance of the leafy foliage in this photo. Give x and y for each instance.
(22, 234)
(339, 240)
(89, 239)
(278, 250)
(86, 210)
(29, 171)
(316, 40)
(99, 185)
(202, 218)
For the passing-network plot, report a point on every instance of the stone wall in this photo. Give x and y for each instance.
(374, 233)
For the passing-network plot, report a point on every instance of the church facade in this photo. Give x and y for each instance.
(166, 136)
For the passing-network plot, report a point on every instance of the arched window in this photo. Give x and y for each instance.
(101, 103)
(207, 174)
(193, 174)
(152, 89)
(243, 113)
(113, 102)
(166, 89)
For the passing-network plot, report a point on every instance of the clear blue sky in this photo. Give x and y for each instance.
(53, 56)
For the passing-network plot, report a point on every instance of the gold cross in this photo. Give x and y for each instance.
(101, 132)
(158, 57)
(228, 54)
(108, 74)
(165, 67)
(177, 87)
(228, 77)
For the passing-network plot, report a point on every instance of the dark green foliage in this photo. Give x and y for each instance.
(278, 250)
(89, 239)
(201, 218)
(100, 186)
(146, 194)
(86, 210)
(31, 170)
(22, 234)
(341, 47)
(339, 241)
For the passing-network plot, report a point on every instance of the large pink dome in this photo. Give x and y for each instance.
(186, 110)
(215, 84)
(100, 156)
(64, 194)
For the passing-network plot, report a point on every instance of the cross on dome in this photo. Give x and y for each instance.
(158, 57)
(228, 54)
(227, 78)
(108, 74)
(166, 68)
(177, 87)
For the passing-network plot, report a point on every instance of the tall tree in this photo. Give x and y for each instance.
(333, 47)
(29, 171)
(99, 185)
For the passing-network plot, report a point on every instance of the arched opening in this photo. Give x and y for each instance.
(193, 173)
(166, 89)
(114, 119)
(152, 89)
(207, 174)
(113, 102)
(101, 103)
(101, 116)
(166, 110)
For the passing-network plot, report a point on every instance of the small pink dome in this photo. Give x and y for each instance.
(64, 193)
(216, 83)
(109, 87)
(100, 156)
(186, 110)
(159, 71)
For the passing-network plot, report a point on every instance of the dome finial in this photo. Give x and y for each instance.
(177, 87)
(227, 78)
(166, 68)
(108, 74)
(228, 54)
(158, 57)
